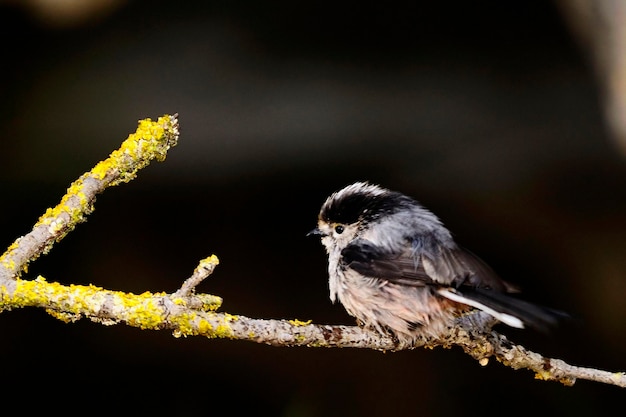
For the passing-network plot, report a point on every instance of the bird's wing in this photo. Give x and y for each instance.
(413, 266)
(373, 261)
(459, 267)
(455, 274)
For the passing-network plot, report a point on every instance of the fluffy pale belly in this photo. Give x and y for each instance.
(404, 311)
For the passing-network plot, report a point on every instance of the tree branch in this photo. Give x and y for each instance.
(187, 313)
(151, 141)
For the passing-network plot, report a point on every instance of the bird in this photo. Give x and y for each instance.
(396, 268)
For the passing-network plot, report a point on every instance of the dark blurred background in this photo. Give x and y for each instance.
(499, 116)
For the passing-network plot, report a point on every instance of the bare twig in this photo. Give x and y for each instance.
(203, 270)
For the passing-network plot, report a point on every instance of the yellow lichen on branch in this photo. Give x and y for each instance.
(145, 311)
(203, 270)
(151, 141)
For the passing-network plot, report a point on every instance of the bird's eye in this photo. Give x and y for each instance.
(339, 229)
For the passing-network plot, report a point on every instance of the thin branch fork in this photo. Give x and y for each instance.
(187, 313)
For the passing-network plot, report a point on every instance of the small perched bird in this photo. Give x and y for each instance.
(395, 267)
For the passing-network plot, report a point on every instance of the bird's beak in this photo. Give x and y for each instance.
(316, 232)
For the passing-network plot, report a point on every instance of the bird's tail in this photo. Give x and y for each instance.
(506, 308)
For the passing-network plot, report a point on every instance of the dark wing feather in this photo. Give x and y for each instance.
(372, 261)
(457, 266)
(413, 266)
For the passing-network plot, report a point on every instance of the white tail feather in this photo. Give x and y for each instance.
(507, 319)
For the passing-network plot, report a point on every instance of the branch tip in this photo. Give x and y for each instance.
(205, 268)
